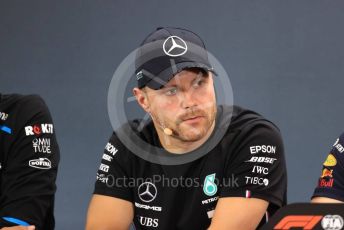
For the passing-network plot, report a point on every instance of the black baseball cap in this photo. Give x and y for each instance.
(167, 51)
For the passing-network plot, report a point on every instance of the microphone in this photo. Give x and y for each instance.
(168, 131)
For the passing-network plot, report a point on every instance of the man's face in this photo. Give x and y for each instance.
(186, 104)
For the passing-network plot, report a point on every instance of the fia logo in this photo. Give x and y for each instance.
(332, 222)
(209, 186)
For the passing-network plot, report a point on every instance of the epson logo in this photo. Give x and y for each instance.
(263, 149)
(41, 163)
(111, 149)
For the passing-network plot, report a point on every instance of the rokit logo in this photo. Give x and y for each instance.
(41, 145)
(39, 129)
(267, 160)
(41, 163)
(148, 222)
(3, 116)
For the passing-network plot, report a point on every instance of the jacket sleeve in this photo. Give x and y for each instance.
(259, 167)
(331, 180)
(114, 171)
(29, 172)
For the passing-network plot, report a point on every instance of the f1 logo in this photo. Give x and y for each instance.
(305, 222)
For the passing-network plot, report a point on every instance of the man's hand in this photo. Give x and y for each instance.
(246, 213)
(325, 200)
(19, 228)
(109, 213)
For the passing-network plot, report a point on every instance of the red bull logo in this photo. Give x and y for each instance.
(326, 173)
(326, 183)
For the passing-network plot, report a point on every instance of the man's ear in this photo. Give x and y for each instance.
(142, 98)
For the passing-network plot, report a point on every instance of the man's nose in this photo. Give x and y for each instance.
(188, 99)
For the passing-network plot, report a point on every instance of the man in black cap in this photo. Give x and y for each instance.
(176, 88)
(29, 157)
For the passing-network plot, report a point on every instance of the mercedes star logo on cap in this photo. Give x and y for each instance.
(147, 191)
(174, 46)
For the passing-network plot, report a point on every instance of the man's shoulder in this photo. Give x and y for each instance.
(134, 132)
(144, 129)
(338, 146)
(19, 101)
(23, 110)
(245, 119)
(246, 124)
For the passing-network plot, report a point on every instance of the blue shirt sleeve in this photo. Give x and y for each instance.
(331, 181)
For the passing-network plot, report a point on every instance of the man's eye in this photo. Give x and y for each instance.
(172, 91)
(198, 83)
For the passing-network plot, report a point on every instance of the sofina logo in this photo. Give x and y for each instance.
(209, 186)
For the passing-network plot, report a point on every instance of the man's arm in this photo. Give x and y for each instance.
(238, 213)
(109, 213)
(29, 174)
(260, 180)
(19, 228)
(111, 207)
(330, 187)
(325, 200)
